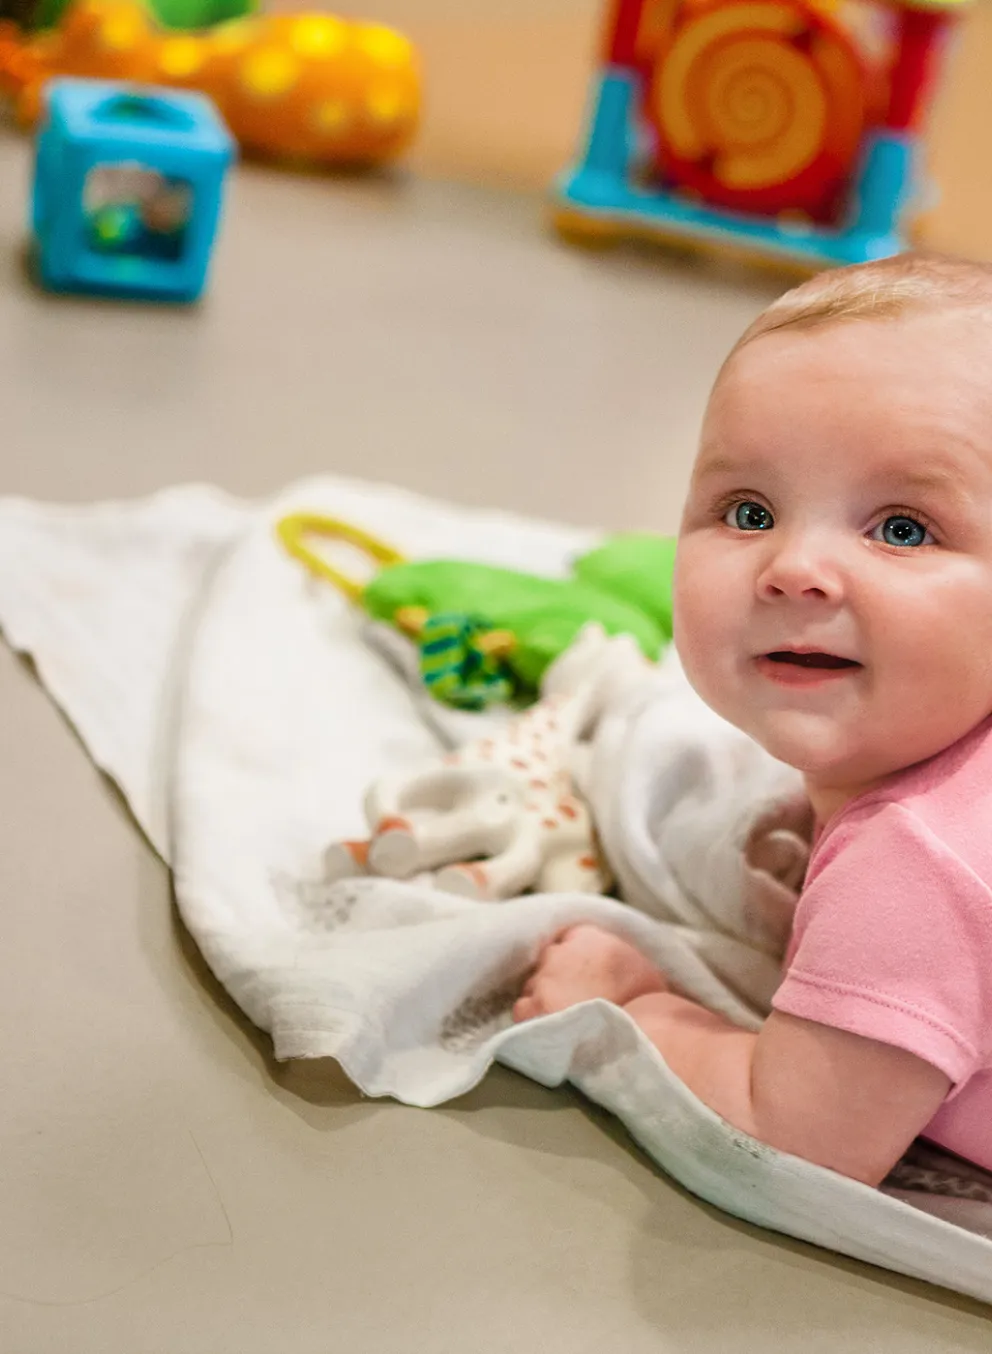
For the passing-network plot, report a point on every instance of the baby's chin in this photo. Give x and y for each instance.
(814, 744)
(822, 746)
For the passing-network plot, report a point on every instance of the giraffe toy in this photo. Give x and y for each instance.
(504, 814)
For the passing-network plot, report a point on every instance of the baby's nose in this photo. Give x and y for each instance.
(801, 569)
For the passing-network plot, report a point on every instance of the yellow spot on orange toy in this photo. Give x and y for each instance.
(302, 87)
(318, 35)
(386, 48)
(269, 72)
(181, 57)
(760, 105)
(385, 104)
(121, 30)
(331, 116)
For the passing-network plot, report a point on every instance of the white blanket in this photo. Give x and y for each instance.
(239, 710)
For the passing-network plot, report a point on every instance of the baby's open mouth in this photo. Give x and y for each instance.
(811, 660)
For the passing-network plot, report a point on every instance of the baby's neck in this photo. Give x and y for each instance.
(827, 800)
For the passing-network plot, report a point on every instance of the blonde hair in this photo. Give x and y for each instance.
(886, 289)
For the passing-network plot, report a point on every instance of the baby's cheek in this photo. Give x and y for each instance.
(705, 616)
(941, 637)
(703, 652)
(933, 674)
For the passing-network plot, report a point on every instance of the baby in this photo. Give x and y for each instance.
(833, 599)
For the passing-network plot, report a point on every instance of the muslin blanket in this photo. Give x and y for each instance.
(242, 711)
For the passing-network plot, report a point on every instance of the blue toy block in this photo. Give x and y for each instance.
(128, 188)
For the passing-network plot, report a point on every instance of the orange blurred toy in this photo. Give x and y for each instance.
(307, 87)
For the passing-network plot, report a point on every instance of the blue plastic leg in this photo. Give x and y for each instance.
(609, 151)
(883, 188)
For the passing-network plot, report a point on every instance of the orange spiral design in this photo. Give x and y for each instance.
(759, 105)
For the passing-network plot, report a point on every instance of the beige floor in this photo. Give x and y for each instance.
(166, 1189)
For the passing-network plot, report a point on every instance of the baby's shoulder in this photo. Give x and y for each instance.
(946, 799)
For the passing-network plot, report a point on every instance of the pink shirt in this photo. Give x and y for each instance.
(892, 937)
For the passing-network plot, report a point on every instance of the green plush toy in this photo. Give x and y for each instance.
(488, 634)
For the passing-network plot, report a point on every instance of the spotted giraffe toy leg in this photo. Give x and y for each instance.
(504, 875)
(451, 813)
(346, 860)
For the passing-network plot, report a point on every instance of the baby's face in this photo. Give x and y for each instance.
(841, 508)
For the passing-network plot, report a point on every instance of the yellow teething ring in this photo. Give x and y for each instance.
(294, 529)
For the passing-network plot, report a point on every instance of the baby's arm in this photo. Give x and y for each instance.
(833, 1098)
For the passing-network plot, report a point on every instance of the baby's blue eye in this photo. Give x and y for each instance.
(902, 531)
(750, 516)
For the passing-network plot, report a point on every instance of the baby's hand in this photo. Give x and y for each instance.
(585, 962)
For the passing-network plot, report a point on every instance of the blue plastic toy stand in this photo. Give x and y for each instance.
(605, 187)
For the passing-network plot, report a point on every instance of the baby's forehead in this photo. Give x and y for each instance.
(916, 384)
(931, 322)
(947, 348)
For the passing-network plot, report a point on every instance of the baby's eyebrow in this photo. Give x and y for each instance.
(720, 465)
(936, 478)
(933, 479)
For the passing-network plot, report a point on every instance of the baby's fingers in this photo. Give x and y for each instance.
(525, 1008)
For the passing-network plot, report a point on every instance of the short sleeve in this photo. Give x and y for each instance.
(892, 940)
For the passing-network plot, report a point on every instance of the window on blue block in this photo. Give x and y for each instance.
(133, 211)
